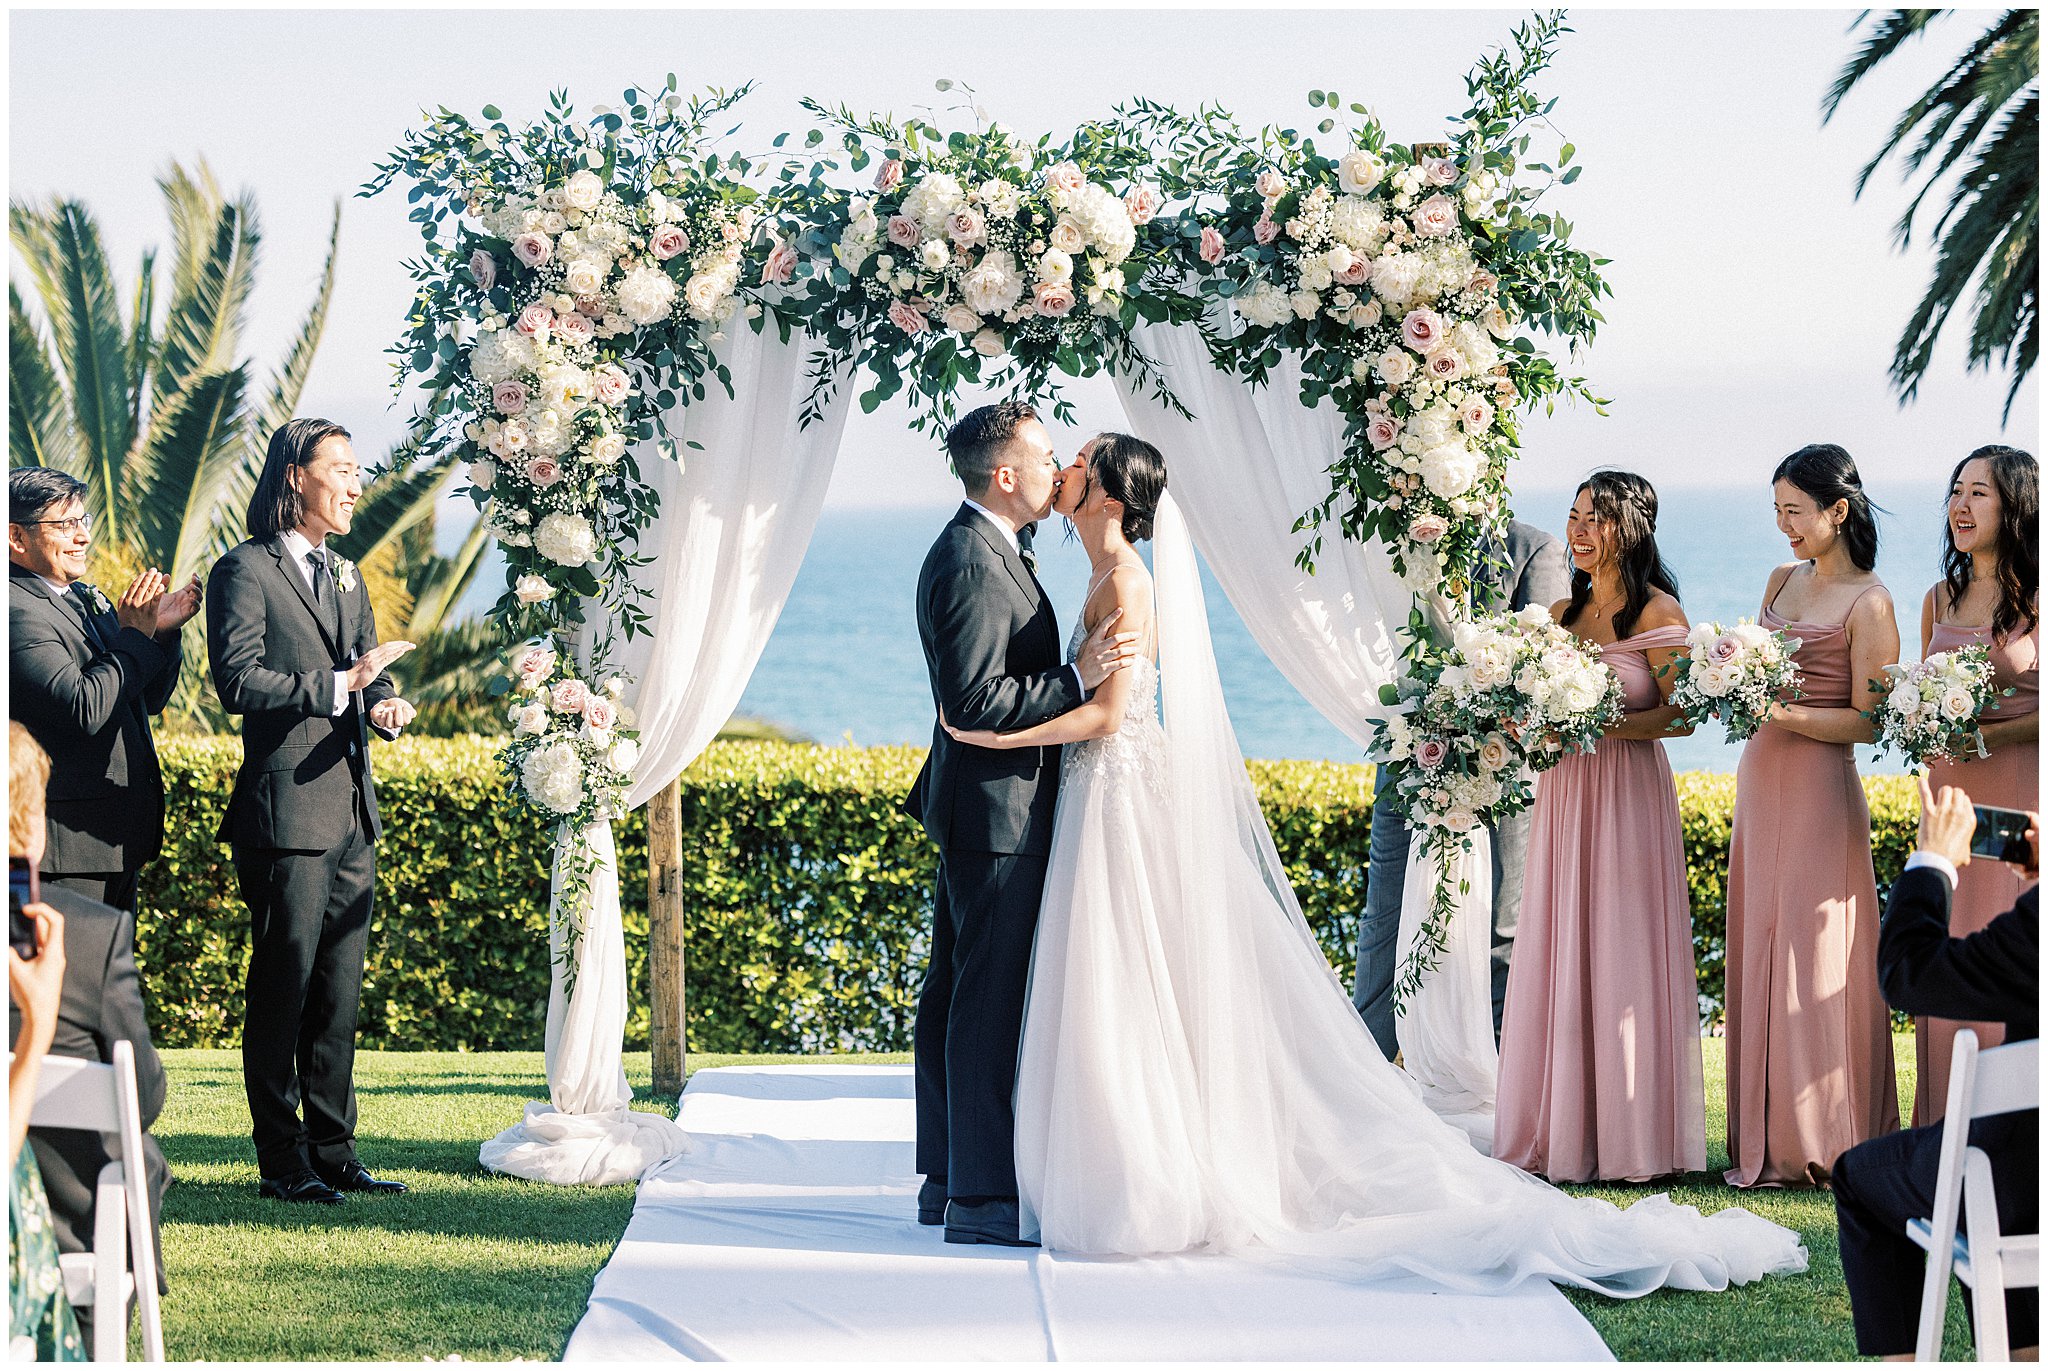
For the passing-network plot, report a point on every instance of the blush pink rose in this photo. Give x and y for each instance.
(1483, 281)
(590, 306)
(543, 471)
(535, 321)
(1439, 171)
(1065, 176)
(534, 663)
(1383, 432)
(1356, 274)
(908, 317)
(509, 397)
(1143, 204)
(1423, 329)
(1427, 528)
(889, 175)
(667, 241)
(532, 248)
(484, 268)
(570, 696)
(1266, 230)
(1053, 299)
(1475, 414)
(903, 231)
(965, 226)
(1212, 246)
(1444, 364)
(575, 329)
(599, 712)
(1271, 184)
(780, 266)
(610, 385)
(1435, 217)
(1725, 648)
(1430, 754)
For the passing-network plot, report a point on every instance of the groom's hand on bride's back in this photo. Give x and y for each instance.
(1105, 652)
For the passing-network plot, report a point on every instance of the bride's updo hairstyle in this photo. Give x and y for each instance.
(1626, 506)
(1131, 472)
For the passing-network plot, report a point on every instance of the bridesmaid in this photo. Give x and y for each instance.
(1991, 570)
(1809, 1038)
(1600, 1037)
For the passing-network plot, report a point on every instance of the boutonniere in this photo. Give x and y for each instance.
(345, 574)
(98, 600)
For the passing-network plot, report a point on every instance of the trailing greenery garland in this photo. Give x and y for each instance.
(807, 900)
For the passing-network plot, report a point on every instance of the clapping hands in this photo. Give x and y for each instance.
(149, 606)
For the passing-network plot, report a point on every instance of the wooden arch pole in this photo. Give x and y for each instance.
(665, 936)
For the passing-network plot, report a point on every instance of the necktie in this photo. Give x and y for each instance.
(316, 562)
(1024, 537)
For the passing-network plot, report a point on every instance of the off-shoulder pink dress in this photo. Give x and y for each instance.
(1809, 1038)
(1600, 1036)
(2011, 779)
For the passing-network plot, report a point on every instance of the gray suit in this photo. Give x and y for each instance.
(303, 821)
(1534, 570)
(85, 687)
(993, 654)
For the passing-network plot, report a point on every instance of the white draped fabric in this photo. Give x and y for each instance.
(735, 518)
(1249, 463)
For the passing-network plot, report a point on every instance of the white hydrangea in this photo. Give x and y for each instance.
(1449, 469)
(1000, 198)
(1358, 222)
(500, 355)
(994, 285)
(1106, 221)
(646, 295)
(933, 199)
(1264, 304)
(1395, 278)
(565, 538)
(553, 776)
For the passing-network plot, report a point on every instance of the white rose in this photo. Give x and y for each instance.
(1713, 680)
(583, 277)
(622, 756)
(1956, 704)
(989, 343)
(706, 294)
(1358, 171)
(606, 449)
(483, 475)
(533, 590)
(1904, 699)
(583, 191)
(961, 319)
(1396, 366)
(1055, 266)
(530, 720)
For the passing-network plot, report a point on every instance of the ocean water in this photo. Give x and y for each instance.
(844, 666)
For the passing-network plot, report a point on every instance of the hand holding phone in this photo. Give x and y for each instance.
(23, 889)
(2001, 834)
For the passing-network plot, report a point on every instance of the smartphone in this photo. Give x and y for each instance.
(22, 889)
(2002, 836)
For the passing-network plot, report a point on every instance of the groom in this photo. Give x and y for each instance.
(992, 651)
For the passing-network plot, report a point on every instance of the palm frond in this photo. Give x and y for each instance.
(448, 579)
(289, 382)
(395, 501)
(192, 200)
(68, 264)
(1892, 32)
(39, 431)
(141, 336)
(203, 326)
(177, 470)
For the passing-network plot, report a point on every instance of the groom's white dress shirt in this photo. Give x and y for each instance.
(1009, 533)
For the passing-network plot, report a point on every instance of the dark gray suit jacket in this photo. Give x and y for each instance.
(273, 661)
(102, 1005)
(1534, 569)
(89, 707)
(993, 653)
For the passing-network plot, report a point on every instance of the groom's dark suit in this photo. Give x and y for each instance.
(993, 652)
(303, 821)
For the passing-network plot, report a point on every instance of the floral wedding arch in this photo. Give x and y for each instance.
(586, 281)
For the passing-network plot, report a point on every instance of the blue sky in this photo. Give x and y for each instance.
(1756, 301)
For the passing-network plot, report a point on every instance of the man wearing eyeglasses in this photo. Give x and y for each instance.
(85, 675)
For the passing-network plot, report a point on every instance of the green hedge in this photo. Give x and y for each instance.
(807, 889)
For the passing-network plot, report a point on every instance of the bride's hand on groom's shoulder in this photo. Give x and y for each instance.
(1105, 653)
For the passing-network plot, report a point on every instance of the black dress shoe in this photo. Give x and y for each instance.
(354, 1176)
(986, 1221)
(931, 1203)
(303, 1187)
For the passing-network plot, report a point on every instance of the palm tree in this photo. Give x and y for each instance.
(156, 411)
(1986, 104)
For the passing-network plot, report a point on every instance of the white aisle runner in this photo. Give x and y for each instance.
(788, 1233)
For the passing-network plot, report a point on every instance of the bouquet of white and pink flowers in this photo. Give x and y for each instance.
(1510, 697)
(574, 744)
(1734, 675)
(1935, 708)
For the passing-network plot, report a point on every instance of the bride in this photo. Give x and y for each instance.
(1192, 1076)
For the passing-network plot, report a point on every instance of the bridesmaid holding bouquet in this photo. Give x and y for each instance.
(1600, 1037)
(1990, 574)
(1810, 1070)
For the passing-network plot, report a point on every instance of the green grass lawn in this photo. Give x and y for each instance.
(492, 1268)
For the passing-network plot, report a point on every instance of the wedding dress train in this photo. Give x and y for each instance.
(1193, 1075)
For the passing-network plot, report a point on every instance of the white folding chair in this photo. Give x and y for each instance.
(1999, 1080)
(102, 1098)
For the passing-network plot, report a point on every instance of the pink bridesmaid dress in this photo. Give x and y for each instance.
(1600, 1036)
(2011, 779)
(1809, 1038)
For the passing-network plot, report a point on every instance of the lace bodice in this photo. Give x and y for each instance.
(1137, 751)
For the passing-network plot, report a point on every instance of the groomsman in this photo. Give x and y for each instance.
(1530, 569)
(294, 652)
(84, 675)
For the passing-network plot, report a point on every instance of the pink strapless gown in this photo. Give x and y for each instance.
(1810, 1070)
(1600, 1036)
(2011, 779)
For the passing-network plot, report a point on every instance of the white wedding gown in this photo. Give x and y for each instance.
(1193, 1076)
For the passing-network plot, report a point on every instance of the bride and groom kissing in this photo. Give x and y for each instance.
(1129, 1040)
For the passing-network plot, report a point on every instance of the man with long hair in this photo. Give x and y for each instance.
(294, 651)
